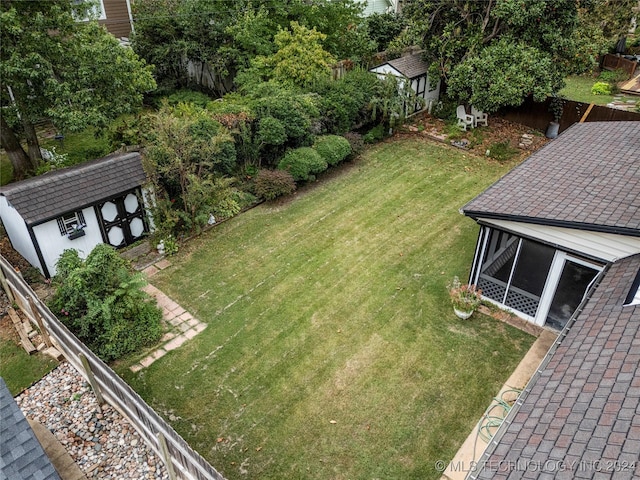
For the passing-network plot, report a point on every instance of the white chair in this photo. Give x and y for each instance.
(479, 117)
(464, 119)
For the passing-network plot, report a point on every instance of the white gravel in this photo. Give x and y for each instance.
(103, 444)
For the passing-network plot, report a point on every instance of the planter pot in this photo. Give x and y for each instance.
(462, 313)
(76, 234)
(552, 130)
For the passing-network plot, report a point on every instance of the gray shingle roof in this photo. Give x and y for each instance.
(21, 455)
(47, 196)
(588, 178)
(581, 413)
(411, 66)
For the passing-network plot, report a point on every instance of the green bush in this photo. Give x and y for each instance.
(502, 151)
(374, 135)
(271, 184)
(601, 88)
(613, 76)
(103, 304)
(332, 148)
(303, 163)
(189, 96)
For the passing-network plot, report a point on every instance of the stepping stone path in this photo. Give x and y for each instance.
(180, 324)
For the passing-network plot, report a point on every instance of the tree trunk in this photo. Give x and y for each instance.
(35, 156)
(19, 159)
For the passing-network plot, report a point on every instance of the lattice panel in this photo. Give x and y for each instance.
(491, 290)
(522, 303)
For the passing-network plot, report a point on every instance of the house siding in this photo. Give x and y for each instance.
(604, 246)
(18, 233)
(118, 21)
(52, 243)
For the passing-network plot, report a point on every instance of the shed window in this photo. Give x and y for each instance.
(68, 222)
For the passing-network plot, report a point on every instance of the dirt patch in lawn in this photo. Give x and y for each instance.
(518, 139)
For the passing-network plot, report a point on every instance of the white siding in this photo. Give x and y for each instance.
(606, 246)
(378, 6)
(18, 233)
(52, 243)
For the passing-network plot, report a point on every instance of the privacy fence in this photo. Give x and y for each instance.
(536, 114)
(181, 460)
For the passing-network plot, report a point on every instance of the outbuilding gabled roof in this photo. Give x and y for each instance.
(21, 455)
(47, 196)
(411, 66)
(588, 178)
(579, 417)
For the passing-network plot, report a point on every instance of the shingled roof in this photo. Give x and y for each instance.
(47, 196)
(411, 66)
(588, 178)
(579, 417)
(21, 455)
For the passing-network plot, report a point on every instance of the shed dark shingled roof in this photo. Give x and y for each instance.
(21, 455)
(580, 414)
(47, 196)
(411, 66)
(588, 178)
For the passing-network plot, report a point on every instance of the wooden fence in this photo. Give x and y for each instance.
(616, 62)
(181, 460)
(536, 114)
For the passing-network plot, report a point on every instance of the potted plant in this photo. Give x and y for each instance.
(465, 298)
(556, 106)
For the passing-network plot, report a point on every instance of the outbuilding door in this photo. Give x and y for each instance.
(122, 219)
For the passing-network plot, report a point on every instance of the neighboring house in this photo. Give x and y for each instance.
(21, 455)
(101, 201)
(116, 16)
(550, 226)
(559, 245)
(381, 6)
(414, 69)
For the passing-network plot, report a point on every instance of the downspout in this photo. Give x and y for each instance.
(133, 30)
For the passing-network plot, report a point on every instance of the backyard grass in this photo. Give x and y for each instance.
(332, 350)
(19, 369)
(578, 89)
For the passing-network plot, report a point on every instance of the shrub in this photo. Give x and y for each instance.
(613, 76)
(375, 134)
(272, 184)
(502, 151)
(188, 96)
(103, 304)
(356, 142)
(601, 88)
(332, 148)
(303, 163)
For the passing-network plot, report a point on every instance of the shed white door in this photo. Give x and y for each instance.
(122, 220)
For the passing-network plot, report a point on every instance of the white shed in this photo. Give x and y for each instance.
(100, 201)
(414, 69)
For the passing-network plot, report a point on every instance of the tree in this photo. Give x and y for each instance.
(456, 32)
(72, 73)
(184, 160)
(300, 61)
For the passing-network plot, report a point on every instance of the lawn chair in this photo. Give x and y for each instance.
(479, 117)
(464, 119)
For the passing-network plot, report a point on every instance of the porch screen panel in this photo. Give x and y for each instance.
(497, 263)
(529, 277)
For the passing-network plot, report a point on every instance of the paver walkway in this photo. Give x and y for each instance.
(180, 324)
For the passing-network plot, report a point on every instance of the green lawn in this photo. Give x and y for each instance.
(578, 89)
(19, 369)
(332, 350)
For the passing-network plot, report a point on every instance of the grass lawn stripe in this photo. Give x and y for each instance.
(333, 306)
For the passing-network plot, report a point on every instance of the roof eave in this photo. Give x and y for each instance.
(550, 222)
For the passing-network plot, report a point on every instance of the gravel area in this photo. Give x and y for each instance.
(103, 444)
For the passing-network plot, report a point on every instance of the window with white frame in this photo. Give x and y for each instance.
(70, 222)
(96, 12)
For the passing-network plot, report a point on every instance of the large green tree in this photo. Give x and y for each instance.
(456, 33)
(55, 67)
